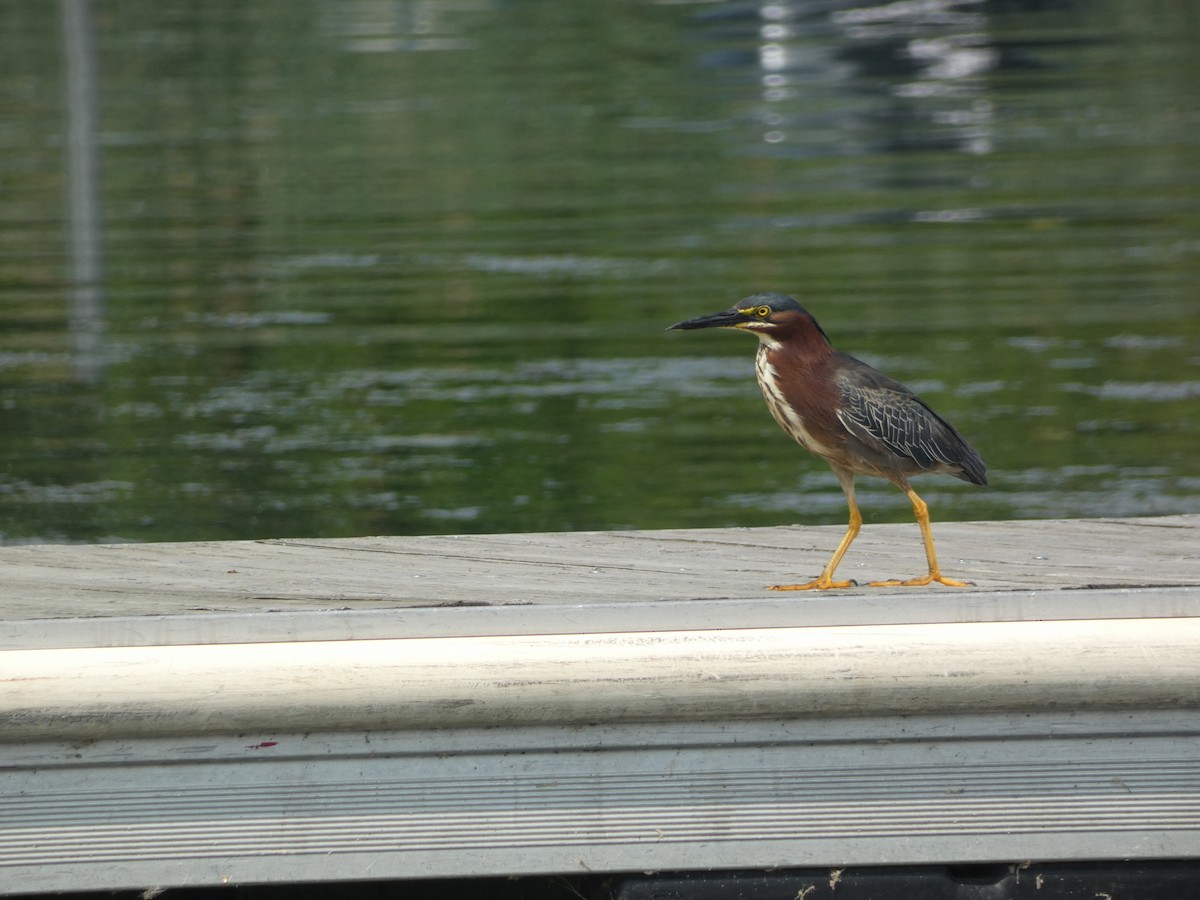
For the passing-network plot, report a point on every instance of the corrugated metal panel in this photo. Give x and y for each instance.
(622, 798)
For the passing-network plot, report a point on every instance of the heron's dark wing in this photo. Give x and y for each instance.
(889, 418)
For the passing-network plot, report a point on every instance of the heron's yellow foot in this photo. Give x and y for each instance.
(823, 583)
(924, 579)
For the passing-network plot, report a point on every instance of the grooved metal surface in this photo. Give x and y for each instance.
(746, 799)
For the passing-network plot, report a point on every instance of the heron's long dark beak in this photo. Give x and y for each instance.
(726, 319)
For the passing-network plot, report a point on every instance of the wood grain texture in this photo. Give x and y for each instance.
(635, 567)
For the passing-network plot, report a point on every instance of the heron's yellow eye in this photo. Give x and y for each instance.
(763, 311)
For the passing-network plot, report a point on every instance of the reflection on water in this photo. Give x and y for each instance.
(83, 190)
(404, 267)
(829, 76)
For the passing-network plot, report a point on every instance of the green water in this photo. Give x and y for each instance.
(405, 267)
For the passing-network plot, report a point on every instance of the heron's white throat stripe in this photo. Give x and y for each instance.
(789, 420)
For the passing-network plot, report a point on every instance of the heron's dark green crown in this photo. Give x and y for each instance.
(775, 301)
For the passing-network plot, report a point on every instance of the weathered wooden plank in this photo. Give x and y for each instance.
(55, 581)
(895, 606)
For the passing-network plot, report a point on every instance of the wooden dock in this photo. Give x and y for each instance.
(400, 707)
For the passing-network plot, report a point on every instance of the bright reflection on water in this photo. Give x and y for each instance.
(402, 267)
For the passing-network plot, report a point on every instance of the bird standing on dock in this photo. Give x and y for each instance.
(856, 418)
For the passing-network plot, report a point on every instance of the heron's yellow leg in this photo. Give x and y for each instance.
(935, 573)
(824, 581)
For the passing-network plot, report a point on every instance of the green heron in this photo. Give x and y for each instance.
(856, 418)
